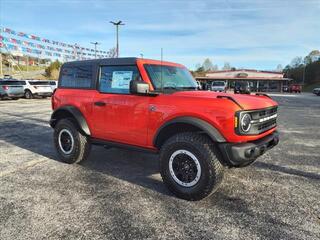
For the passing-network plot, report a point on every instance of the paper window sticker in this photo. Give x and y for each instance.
(121, 79)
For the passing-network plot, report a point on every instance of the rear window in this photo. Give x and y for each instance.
(39, 83)
(11, 83)
(77, 76)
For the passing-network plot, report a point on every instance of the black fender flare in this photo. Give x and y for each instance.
(75, 113)
(206, 127)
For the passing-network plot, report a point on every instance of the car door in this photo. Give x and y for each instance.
(119, 116)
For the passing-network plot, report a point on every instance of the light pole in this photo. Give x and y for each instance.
(117, 24)
(95, 48)
(304, 74)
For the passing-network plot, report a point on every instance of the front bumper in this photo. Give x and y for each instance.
(242, 154)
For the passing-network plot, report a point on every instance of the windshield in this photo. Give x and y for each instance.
(169, 77)
(218, 83)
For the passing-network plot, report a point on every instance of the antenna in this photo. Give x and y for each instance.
(161, 79)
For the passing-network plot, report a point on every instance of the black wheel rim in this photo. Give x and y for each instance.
(184, 168)
(66, 141)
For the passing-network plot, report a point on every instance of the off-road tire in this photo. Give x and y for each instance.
(28, 94)
(206, 153)
(82, 145)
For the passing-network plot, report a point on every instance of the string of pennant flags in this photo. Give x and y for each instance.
(59, 49)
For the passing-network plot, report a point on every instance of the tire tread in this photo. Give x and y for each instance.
(210, 153)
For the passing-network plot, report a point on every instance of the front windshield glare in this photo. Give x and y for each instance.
(169, 77)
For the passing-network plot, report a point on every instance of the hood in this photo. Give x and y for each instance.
(248, 102)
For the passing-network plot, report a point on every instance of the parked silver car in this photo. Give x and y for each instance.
(316, 91)
(219, 86)
(11, 89)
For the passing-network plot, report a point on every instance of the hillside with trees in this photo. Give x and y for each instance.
(304, 70)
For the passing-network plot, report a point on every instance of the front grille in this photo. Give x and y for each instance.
(267, 112)
(262, 120)
(268, 125)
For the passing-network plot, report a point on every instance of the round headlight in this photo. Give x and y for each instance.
(245, 122)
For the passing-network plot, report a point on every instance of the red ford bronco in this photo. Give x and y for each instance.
(155, 106)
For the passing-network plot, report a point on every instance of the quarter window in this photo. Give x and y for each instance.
(116, 79)
(77, 77)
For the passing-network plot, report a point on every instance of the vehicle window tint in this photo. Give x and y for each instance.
(39, 83)
(11, 83)
(116, 79)
(77, 77)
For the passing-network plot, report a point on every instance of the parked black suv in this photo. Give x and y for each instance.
(242, 87)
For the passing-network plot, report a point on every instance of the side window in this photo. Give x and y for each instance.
(77, 77)
(116, 79)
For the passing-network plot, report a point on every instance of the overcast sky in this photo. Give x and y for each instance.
(245, 33)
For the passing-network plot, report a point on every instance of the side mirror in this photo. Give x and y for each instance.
(139, 87)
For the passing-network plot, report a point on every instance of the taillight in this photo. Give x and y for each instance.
(5, 87)
(52, 99)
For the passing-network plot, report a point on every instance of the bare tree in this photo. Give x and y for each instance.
(207, 65)
(279, 68)
(198, 65)
(296, 62)
(215, 67)
(226, 66)
(112, 53)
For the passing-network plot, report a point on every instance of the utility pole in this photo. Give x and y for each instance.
(95, 48)
(117, 24)
(304, 74)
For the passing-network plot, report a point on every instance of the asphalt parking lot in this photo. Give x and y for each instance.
(118, 194)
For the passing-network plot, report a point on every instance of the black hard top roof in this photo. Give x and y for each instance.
(106, 61)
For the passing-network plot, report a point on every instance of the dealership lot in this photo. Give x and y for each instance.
(118, 194)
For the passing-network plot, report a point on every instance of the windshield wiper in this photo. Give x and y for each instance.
(179, 88)
(193, 88)
(171, 87)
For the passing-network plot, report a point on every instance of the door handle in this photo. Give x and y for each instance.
(100, 104)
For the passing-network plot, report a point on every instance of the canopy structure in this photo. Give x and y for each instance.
(263, 81)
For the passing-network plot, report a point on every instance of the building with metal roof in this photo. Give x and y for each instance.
(262, 81)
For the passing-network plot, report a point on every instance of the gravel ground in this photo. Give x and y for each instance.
(118, 194)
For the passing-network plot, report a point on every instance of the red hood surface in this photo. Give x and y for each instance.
(248, 102)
